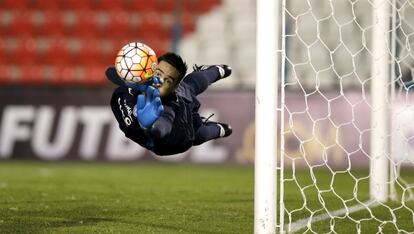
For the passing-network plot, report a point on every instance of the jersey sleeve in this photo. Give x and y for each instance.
(122, 103)
(163, 125)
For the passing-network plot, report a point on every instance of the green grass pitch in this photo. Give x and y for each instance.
(68, 197)
(341, 190)
(40, 197)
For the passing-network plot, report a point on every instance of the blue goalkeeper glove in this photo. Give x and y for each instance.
(148, 108)
(154, 81)
(140, 87)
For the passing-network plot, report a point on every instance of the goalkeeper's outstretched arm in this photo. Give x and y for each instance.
(163, 125)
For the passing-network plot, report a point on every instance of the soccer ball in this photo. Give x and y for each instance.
(136, 62)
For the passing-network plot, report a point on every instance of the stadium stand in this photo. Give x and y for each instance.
(71, 42)
(226, 35)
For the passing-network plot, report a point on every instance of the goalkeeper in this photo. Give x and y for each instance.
(166, 120)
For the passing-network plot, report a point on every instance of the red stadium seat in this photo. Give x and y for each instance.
(189, 5)
(95, 75)
(118, 43)
(14, 4)
(187, 23)
(5, 74)
(159, 45)
(4, 26)
(108, 5)
(44, 5)
(76, 5)
(206, 5)
(165, 5)
(10, 46)
(141, 5)
(85, 75)
(108, 52)
(199, 5)
(51, 24)
(84, 26)
(31, 74)
(82, 21)
(21, 25)
(65, 75)
(150, 23)
(26, 52)
(3, 52)
(89, 53)
(80, 75)
(57, 52)
(118, 25)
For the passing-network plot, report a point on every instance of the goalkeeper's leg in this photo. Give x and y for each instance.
(203, 76)
(211, 130)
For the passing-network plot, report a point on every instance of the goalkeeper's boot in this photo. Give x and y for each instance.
(225, 130)
(224, 70)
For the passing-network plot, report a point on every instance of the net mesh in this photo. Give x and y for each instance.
(326, 128)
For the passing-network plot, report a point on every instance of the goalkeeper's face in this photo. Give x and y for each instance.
(170, 77)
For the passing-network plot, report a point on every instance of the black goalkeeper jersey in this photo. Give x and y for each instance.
(172, 133)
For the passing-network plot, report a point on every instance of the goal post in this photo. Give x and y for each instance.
(266, 121)
(340, 91)
(380, 125)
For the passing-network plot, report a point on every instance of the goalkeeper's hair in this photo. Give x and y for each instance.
(176, 61)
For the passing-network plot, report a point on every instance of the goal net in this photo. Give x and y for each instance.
(346, 117)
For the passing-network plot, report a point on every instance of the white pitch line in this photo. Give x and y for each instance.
(296, 226)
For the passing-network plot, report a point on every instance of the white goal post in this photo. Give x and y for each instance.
(266, 101)
(333, 94)
(380, 143)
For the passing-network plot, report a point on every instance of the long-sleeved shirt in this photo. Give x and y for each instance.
(173, 132)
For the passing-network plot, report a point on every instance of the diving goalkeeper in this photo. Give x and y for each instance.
(166, 120)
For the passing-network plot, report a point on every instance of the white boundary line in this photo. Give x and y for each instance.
(296, 226)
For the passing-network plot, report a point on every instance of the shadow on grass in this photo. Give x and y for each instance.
(17, 220)
(37, 225)
(85, 217)
(41, 201)
(171, 228)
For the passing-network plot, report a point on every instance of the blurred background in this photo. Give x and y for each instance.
(54, 106)
(69, 42)
(54, 97)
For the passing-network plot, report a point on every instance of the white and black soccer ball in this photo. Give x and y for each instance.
(136, 62)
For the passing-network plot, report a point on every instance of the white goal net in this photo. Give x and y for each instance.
(346, 117)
